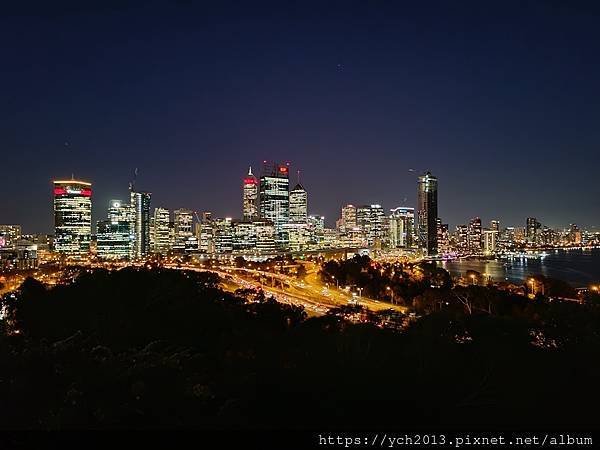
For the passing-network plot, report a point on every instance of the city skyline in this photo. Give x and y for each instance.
(484, 98)
(100, 207)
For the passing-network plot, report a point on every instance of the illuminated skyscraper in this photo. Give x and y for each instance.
(250, 197)
(532, 230)
(298, 205)
(490, 241)
(140, 204)
(72, 217)
(162, 231)
(370, 219)
(427, 213)
(275, 199)
(474, 236)
(401, 224)
(348, 218)
(114, 236)
(184, 236)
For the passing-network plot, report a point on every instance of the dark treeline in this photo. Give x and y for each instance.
(169, 349)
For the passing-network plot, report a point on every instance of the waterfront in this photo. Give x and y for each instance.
(577, 267)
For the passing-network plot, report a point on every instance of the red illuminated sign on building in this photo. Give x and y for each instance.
(283, 169)
(250, 181)
(62, 191)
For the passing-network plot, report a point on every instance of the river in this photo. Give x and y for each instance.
(577, 267)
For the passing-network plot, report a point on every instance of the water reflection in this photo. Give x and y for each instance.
(578, 267)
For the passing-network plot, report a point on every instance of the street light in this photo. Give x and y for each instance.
(391, 292)
(473, 276)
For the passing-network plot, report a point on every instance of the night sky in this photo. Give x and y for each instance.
(500, 100)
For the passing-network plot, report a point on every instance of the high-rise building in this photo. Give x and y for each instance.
(347, 219)
(250, 196)
(401, 224)
(574, 234)
(223, 235)
(495, 225)
(443, 237)
(114, 236)
(161, 231)
(72, 217)
(427, 213)
(275, 199)
(140, 204)
(532, 229)
(474, 241)
(462, 238)
(298, 204)
(9, 235)
(205, 233)
(184, 236)
(490, 241)
(370, 219)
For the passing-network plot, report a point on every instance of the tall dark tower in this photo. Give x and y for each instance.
(427, 213)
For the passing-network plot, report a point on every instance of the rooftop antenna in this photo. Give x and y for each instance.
(250, 170)
(298, 172)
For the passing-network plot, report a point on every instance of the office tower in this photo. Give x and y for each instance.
(223, 235)
(348, 218)
(114, 236)
(474, 242)
(9, 234)
(184, 237)
(490, 241)
(113, 240)
(532, 228)
(462, 238)
(401, 225)
(275, 199)
(72, 217)
(298, 205)
(140, 204)
(161, 231)
(265, 237)
(370, 219)
(495, 225)
(574, 234)
(244, 237)
(250, 196)
(443, 237)
(427, 213)
(205, 233)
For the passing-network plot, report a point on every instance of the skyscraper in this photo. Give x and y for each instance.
(114, 235)
(140, 204)
(370, 219)
(348, 218)
(474, 235)
(401, 224)
(490, 241)
(184, 236)
(427, 213)
(298, 204)
(72, 217)
(250, 197)
(532, 229)
(275, 199)
(162, 231)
